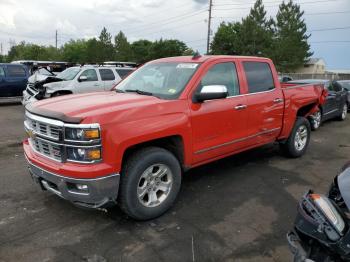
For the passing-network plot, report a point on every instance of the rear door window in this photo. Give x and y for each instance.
(16, 71)
(259, 76)
(123, 72)
(106, 74)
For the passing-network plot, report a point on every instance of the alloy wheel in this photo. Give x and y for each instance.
(301, 137)
(154, 185)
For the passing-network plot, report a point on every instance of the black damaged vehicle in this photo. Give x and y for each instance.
(336, 105)
(322, 227)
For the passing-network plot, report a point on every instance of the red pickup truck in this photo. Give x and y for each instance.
(131, 145)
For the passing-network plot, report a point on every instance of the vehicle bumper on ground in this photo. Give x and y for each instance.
(92, 193)
(28, 98)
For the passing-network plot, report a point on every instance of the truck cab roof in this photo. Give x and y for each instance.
(201, 59)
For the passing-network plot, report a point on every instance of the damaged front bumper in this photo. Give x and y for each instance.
(29, 97)
(91, 193)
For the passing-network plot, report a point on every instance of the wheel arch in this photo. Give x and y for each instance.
(174, 144)
(63, 92)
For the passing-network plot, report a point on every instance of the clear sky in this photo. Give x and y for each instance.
(35, 21)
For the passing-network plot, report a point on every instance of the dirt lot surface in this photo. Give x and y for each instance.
(236, 209)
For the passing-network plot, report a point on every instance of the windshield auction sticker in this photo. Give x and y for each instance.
(187, 65)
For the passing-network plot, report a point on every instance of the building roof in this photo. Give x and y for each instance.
(313, 60)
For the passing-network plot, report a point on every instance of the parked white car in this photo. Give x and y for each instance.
(74, 80)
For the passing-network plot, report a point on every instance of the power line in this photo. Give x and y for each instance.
(306, 14)
(329, 29)
(329, 41)
(302, 3)
(167, 21)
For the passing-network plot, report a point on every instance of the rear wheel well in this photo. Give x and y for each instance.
(61, 92)
(174, 144)
(303, 111)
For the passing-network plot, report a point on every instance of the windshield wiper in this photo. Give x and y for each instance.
(140, 92)
(120, 91)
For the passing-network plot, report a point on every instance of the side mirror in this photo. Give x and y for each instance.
(211, 92)
(82, 78)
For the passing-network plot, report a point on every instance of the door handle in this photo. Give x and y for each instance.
(240, 107)
(278, 100)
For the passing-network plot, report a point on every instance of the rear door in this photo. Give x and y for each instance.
(92, 84)
(330, 107)
(219, 126)
(264, 102)
(16, 80)
(108, 78)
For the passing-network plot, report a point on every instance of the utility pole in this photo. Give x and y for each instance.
(209, 25)
(0, 48)
(56, 39)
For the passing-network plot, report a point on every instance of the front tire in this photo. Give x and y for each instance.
(299, 138)
(150, 183)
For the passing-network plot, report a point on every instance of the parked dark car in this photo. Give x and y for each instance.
(336, 105)
(284, 78)
(346, 85)
(13, 80)
(321, 229)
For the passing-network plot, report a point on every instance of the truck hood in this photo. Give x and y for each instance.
(54, 86)
(36, 77)
(101, 107)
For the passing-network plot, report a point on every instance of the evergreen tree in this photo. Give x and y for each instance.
(291, 47)
(140, 50)
(255, 32)
(252, 36)
(225, 40)
(106, 51)
(122, 47)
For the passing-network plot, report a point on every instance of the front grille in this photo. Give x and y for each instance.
(44, 129)
(46, 148)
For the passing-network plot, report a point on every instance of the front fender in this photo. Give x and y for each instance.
(118, 138)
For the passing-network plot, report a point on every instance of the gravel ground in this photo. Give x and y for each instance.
(235, 209)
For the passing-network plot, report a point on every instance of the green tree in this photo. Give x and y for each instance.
(167, 48)
(95, 52)
(256, 32)
(291, 47)
(225, 40)
(75, 51)
(140, 50)
(106, 51)
(122, 47)
(252, 36)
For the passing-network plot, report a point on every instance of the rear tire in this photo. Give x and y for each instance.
(299, 138)
(150, 183)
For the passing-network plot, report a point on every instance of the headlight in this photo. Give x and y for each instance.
(327, 208)
(84, 154)
(82, 134)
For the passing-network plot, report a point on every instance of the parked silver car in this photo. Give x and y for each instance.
(74, 80)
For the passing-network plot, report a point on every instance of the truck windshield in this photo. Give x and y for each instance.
(69, 73)
(164, 80)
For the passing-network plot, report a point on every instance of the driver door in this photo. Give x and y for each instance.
(219, 126)
(92, 83)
